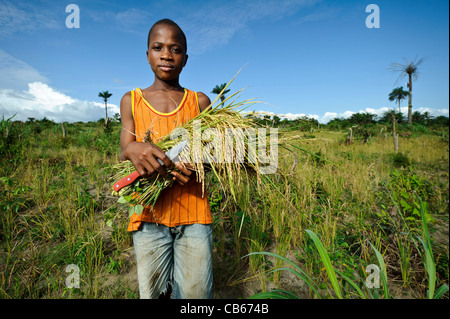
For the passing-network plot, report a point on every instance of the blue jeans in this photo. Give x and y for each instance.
(178, 255)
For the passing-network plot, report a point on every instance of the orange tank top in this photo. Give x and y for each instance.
(177, 205)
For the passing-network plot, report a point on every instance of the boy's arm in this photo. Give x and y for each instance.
(127, 126)
(142, 155)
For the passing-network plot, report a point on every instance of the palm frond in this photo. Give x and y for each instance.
(410, 67)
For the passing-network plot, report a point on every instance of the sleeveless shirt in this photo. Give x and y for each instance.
(176, 205)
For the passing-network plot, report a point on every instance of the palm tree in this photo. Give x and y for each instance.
(427, 116)
(362, 119)
(105, 95)
(410, 69)
(398, 95)
(218, 88)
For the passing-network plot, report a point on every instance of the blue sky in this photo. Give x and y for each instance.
(301, 57)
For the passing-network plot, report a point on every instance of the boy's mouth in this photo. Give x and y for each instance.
(165, 67)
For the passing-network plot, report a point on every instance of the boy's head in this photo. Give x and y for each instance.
(170, 23)
(166, 50)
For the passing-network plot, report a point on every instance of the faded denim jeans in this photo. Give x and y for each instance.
(178, 255)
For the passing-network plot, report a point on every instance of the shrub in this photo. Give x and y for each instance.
(400, 159)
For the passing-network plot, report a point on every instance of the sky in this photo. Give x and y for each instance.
(315, 58)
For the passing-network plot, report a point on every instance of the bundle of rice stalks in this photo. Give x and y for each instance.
(221, 140)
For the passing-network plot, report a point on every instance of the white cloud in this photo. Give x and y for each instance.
(433, 112)
(328, 116)
(25, 93)
(49, 99)
(40, 100)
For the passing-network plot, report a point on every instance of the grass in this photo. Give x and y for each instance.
(326, 217)
(381, 271)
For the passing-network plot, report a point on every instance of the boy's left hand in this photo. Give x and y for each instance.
(183, 175)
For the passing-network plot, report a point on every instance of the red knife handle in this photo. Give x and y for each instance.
(127, 180)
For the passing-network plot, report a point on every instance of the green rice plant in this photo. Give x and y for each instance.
(333, 276)
(317, 157)
(280, 293)
(428, 259)
(383, 272)
(404, 250)
(327, 263)
(89, 257)
(283, 294)
(425, 240)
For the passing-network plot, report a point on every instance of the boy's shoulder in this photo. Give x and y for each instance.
(125, 102)
(127, 95)
(203, 100)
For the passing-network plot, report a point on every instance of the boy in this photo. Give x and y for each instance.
(173, 242)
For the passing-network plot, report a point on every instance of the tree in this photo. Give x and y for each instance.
(427, 117)
(441, 120)
(418, 117)
(105, 95)
(362, 118)
(398, 94)
(411, 70)
(117, 117)
(338, 123)
(387, 117)
(276, 120)
(218, 88)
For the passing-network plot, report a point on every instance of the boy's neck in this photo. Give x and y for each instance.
(166, 85)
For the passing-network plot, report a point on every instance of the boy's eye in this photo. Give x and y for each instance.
(156, 48)
(176, 50)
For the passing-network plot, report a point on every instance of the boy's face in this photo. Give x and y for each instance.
(166, 53)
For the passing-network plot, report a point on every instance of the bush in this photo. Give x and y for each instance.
(400, 159)
(10, 139)
(419, 128)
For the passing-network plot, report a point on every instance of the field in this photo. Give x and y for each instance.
(333, 206)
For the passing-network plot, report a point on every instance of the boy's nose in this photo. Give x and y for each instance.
(165, 54)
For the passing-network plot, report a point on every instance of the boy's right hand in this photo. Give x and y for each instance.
(144, 158)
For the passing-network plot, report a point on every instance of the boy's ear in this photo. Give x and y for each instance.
(185, 59)
(146, 52)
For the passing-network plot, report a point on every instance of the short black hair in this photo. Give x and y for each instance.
(172, 24)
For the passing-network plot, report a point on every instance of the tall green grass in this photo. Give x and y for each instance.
(346, 201)
(326, 217)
